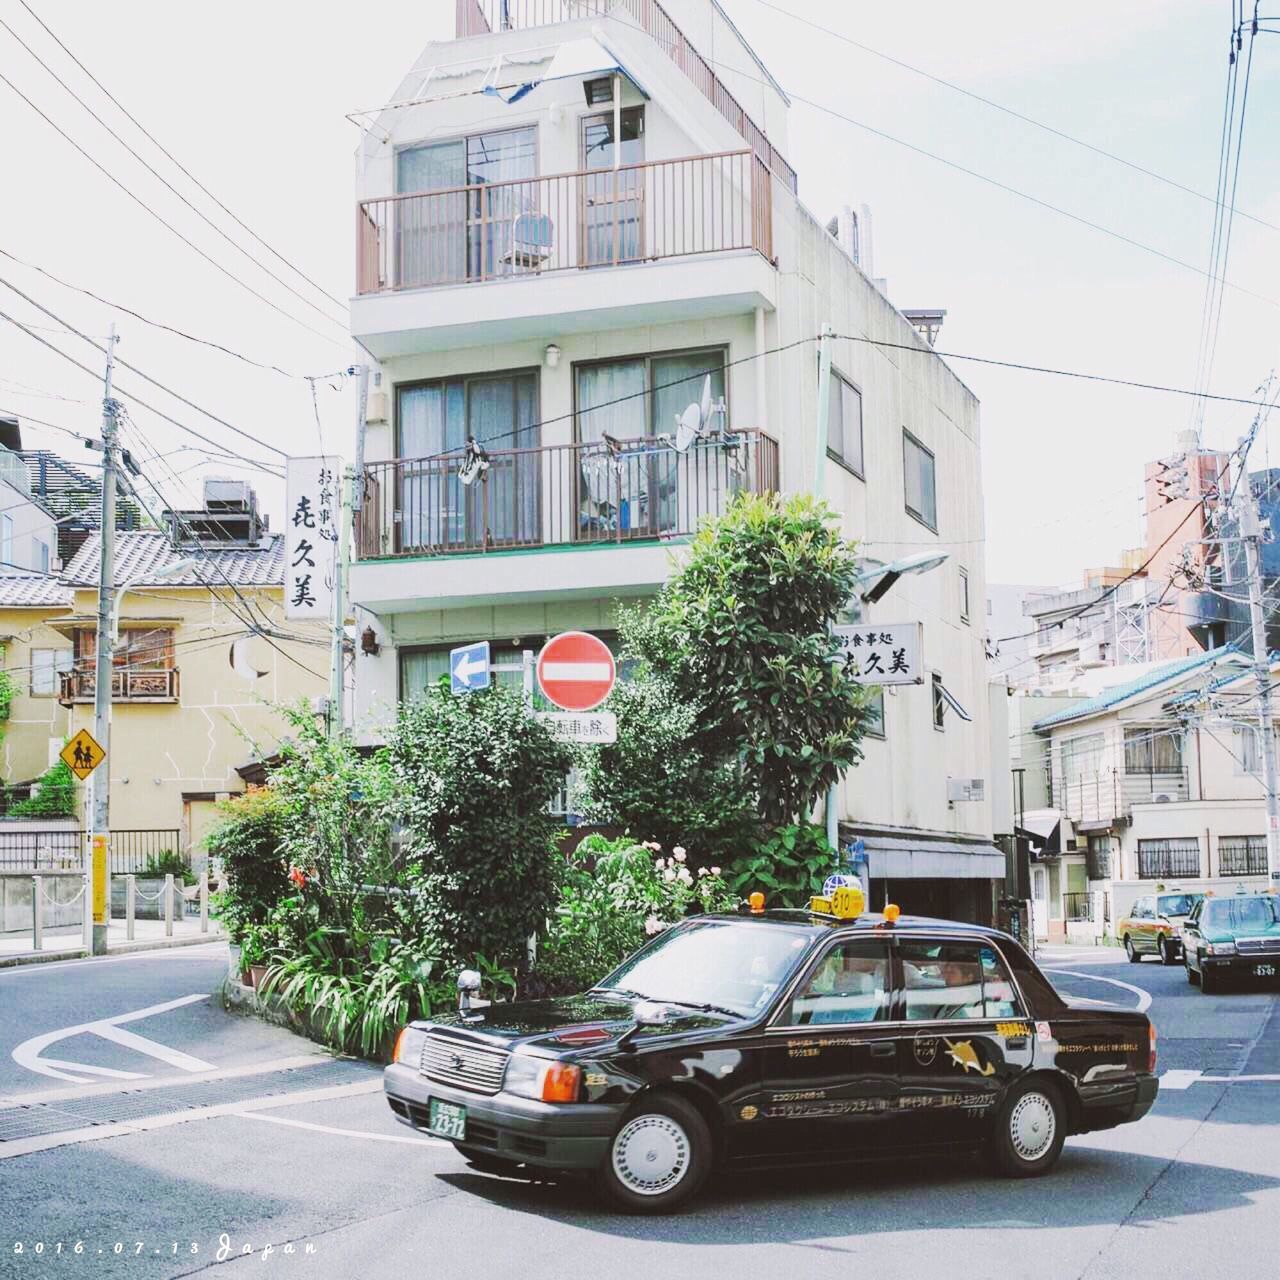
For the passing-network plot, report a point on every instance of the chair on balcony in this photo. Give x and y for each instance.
(533, 237)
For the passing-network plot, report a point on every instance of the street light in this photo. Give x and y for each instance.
(168, 571)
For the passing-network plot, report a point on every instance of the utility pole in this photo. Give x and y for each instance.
(1251, 533)
(337, 715)
(100, 825)
(819, 491)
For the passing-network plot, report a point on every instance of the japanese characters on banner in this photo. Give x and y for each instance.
(313, 504)
(884, 652)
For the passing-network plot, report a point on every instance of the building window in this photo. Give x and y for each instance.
(646, 492)
(1098, 858)
(844, 425)
(1159, 859)
(875, 705)
(47, 669)
(1081, 757)
(939, 702)
(1153, 751)
(964, 596)
(1242, 855)
(6, 540)
(1249, 759)
(920, 480)
(42, 555)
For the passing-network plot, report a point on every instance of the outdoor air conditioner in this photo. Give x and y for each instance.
(228, 496)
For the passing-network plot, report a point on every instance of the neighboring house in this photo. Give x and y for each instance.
(560, 273)
(1155, 781)
(28, 531)
(197, 686)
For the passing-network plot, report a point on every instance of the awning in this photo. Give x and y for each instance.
(1041, 822)
(584, 59)
(895, 858)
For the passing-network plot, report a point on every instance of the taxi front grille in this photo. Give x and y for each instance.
(1258, 946)
(463, 1063)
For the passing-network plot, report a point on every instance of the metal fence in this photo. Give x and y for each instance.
(62, 848)
(1078, 906)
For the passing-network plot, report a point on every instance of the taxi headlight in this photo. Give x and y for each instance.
(1221, 948)
(408, 1048)
(543, 1079)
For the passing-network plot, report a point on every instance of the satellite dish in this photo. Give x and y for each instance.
(691, 425)
(475, 463)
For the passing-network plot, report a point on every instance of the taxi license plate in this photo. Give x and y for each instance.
(1264, 970)
(447, 1120)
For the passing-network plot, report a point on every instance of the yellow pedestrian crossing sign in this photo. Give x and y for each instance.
(83, 754)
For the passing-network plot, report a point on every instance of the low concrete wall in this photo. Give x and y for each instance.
(62, 904)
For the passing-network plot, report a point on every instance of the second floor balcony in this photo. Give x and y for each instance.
(559, 496)
(478, 247)
(1109, 794)
(158, 684)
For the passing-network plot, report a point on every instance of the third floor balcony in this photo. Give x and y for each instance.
(673, 237)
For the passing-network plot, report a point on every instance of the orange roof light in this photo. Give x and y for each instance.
(891, 913)
(756, 902)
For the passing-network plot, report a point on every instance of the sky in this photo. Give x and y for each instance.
(252, 99)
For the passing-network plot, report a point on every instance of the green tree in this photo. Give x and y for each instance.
(473, 777)
(743, 629)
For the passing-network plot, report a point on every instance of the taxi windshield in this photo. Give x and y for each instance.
(723, 965)
(1241, 915)
(1177, 904)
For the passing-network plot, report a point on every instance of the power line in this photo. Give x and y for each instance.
(1010, 111)
(165, 182)
(138, 399)
(155, 324)
(142, 204)
(174, 160)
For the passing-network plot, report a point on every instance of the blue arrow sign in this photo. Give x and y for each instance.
(469, 667)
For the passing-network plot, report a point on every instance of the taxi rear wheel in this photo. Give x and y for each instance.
(1031, 1127)
(1166, 952)
(1130, 951)
(659, 1158)
(1192, 976)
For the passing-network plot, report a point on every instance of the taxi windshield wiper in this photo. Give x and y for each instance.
(617, 991)
(706, 1008)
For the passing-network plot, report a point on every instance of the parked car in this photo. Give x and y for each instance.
(777, 1037)
(1154, 926)
(1236, 936)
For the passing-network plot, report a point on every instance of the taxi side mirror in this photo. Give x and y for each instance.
(646, 1013)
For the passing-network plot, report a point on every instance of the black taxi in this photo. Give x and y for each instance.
(776, 1037)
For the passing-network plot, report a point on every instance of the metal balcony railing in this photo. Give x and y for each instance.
(592, 218)
(481, 17)
(158, 685)
(1112, 793)
(560, 495)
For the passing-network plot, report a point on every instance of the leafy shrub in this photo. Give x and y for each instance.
(246, 840)
(617, 893)
(788, 866)
(53, 795)
(158, 865)
(473, 777)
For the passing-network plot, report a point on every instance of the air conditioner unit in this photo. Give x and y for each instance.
(228, 496)
(965, 789)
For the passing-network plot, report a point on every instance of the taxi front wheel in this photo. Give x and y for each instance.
(1030, 1130)
(659, 1158)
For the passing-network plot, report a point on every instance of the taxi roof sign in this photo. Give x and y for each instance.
(83, 754)
(845, 902)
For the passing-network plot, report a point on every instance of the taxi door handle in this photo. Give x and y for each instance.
(883, 1048)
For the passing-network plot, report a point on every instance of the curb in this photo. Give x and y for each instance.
(127, 948)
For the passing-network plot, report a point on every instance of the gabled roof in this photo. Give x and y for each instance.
(141, 555)
(33, 591)
(1148, 682)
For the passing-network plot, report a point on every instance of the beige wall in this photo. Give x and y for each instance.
(34, 720)
(161, 752)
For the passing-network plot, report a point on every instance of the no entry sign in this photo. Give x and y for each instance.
(575, 670)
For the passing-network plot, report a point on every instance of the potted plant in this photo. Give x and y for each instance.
(253, 958)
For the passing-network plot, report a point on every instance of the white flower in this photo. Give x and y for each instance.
(668, 875)
(656, 847)
(702, 871)
(659, 864)
(678, 853)
(715, 871)
(652, 925)
(685, 876)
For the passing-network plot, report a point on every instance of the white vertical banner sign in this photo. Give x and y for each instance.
(313, 508)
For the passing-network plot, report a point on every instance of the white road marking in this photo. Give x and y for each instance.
(1176, 1078)
(27, 1054)
(1144, 997)
(1239, 1079)
(347, 1133)
(198, 951)
(575, 671)
(174, 1057)
(97, 1132)
(163, 1082)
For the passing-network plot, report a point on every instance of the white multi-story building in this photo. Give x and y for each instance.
(28, 531)
(558, 272)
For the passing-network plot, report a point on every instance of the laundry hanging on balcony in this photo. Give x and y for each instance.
(585, 59)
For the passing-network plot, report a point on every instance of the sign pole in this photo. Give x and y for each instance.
(822, 436)
(100, 824)
(337, 711)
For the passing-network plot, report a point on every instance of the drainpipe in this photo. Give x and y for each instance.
(762, 383)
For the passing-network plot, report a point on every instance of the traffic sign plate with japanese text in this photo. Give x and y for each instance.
(83, 754)
(576, 671)
(598, 728)
(884, 652)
